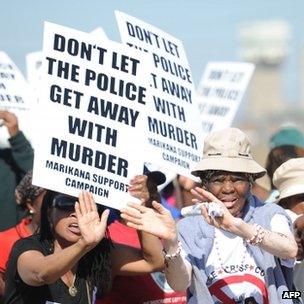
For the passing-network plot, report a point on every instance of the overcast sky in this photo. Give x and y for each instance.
(208, 28)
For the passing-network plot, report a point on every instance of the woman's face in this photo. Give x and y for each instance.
(65, 225)
(230, 188)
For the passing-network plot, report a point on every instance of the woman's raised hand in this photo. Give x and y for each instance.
(9, 120)
(157, 221)
(92, 227)
(225, 221)
(138, 187)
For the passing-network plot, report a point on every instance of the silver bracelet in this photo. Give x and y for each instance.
(174, 255)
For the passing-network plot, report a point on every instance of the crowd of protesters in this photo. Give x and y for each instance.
(242, 244)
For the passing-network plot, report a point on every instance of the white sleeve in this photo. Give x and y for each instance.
(279, 223)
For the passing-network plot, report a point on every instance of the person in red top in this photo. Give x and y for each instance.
(29, 198)
(140, 289)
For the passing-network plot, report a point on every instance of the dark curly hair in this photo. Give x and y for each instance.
(26, 191)
(95, 264)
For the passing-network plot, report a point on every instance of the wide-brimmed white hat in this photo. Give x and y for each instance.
(228, 150)
(289, 178)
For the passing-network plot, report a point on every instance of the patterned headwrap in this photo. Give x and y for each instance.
(25, 191)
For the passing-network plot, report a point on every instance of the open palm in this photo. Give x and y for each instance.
(157, 221)
(92, 227)
(138, 187)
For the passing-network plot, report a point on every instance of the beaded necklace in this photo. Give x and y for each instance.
(217, 246)
(217, 250)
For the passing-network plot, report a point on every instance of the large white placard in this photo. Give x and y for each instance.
(15, 96)
(34, 63)
(99, 33)
(220, 92)
(33, 71)
(174, 138)
(92, 120)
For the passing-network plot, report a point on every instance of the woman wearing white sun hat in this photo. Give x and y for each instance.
(234, 256)
(289, 180)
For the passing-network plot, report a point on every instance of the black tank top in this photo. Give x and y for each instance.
(17, 292)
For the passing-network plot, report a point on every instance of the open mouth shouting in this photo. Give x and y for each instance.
(229, 202)
(73, 227)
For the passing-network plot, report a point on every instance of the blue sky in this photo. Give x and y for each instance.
(208, 29)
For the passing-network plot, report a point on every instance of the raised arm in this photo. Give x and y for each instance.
(35, 269)
(22, 150)
(10, 121)
(159, 222)
(127, 260)
(282, 245)
(145, 189)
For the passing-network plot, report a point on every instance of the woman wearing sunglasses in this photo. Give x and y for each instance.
(70, 258)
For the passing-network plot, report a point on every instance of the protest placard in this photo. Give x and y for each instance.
(99, 33)
(15, 96)
(92, 120)
(173, 141)
(220, 92)
(34, 62)
(33, 71)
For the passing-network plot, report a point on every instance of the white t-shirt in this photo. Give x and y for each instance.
(298, 271)
(232, 272)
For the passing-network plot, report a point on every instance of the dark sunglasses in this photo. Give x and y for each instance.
(64, 202)
(67, 203)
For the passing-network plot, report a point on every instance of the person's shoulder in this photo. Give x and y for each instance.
(29, 243)
(271, 209)
(189, 220)
(5, 234)
(191, 225)
(9, 237)
(31, 238)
